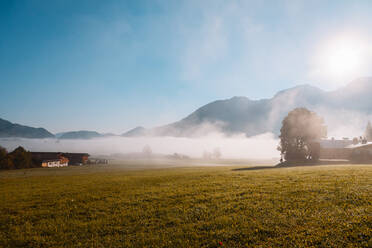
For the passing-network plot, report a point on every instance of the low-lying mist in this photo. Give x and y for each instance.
(234, 147)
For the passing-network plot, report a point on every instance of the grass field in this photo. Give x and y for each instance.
(111, 206)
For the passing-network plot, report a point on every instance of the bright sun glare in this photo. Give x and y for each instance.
(343, 57)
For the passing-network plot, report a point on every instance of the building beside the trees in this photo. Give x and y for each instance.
(335, 149)
(358, 150)
(53, 163)
(59, 159)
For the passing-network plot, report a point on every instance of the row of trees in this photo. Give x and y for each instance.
(17, 159)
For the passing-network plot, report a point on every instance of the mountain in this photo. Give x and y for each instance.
(8, 129)
(242, 115)
(138, 131)
(252, 117)
(347, 108)
(80, 135)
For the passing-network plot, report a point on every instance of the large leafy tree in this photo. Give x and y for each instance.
(301, 129)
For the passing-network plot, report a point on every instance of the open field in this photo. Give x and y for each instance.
(118, 206)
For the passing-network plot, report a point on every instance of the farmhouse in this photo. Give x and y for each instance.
(59, 159)
(335, 149)
(361, 152)
(53, 163)
(346, 149)
(49, 159)
(77, 158)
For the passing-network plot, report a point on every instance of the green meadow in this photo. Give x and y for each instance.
(225, 206)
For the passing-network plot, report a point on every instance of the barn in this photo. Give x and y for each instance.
(53, 163)
(361, 152)
(77, 158)
(345, 150)
(49, 159)
(59, 159)
(335, 149)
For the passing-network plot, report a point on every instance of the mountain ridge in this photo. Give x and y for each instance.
(9, 129)
(239, 114)
(82, 134)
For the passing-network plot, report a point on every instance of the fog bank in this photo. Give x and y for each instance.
(258, 147)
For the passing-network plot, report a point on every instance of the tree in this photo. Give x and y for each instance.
(207, 155)
(21, 158)
(3, 158)
(217, 153)
(368, 132)
(147, 151)
(6, 161)
(301, 129)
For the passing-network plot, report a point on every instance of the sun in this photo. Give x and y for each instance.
(343, 58)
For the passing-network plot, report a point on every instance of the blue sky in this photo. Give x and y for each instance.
(113, 65)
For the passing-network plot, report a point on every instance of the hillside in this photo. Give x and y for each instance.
(138, 131)
(80, 135)
(8, 129)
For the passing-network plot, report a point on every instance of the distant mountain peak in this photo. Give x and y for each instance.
(252, 117)
(239, 98)
(82, 134)
(299, 88)
(8, 129)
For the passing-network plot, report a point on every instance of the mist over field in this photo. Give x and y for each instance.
(204, 138)
(258, 147)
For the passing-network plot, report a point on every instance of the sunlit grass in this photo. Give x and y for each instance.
(323, 206)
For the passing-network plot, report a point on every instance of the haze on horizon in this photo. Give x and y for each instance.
(110, 66)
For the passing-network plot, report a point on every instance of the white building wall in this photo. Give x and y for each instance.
(53, 164)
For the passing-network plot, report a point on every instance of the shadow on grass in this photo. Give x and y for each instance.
(255, 168)
(295, 164)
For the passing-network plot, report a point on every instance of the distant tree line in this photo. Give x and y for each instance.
(17, 159)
